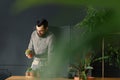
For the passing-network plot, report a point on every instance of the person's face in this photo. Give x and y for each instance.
(41, 30)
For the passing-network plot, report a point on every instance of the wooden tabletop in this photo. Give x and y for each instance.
(31, 78)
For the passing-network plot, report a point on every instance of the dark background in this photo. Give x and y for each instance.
(15, 31)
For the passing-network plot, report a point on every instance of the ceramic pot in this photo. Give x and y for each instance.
(90, 78)
(77, 78)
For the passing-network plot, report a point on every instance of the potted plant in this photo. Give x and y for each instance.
(29, 73)
(81, 68)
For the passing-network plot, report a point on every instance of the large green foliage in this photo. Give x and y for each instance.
(21, 5)
(97, 23)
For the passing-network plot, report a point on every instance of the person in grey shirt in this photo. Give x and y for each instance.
(40, 47)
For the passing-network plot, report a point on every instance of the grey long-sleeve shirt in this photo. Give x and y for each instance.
(42, 46)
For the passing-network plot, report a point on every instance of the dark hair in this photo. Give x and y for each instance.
(43, 22)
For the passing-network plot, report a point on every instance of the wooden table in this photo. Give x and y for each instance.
(31, 78)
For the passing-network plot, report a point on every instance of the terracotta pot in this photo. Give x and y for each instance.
(77, 78)
(27, 74)
(90, 78)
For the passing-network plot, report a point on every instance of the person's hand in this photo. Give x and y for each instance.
(29, 53)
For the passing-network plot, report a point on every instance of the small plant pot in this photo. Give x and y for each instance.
(77, 78)
(29, 74)
(90, 78)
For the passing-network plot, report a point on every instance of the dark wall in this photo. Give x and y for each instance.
(15, 30)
